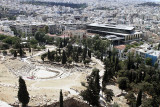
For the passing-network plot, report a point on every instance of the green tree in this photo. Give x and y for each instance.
(61, 99)
(139, 98)
(86, 61)
(42, 57)
(138, 60)
(148, 103)
(69, 60)
(105, 80)
(61, 44)
(15, 53)
(20, 51)
(49, 55)
(46, 29)
(4, 52)
(33, 41)
(39, 36)
(123, 83)
(159, 46)
(130, 61)
(97, 83)
(23, 95)
(69, 50)
(29, 49)
(91, 94)
(148, 61)
(11, 40)
(64, 58)
(84, 52)
(131, 98)
(108, 95)
(89, 53)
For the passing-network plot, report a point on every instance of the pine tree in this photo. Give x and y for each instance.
(64, 58)
(61, 99)
(23, 95)
(139, 98)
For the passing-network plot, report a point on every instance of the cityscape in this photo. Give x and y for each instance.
(79, 53)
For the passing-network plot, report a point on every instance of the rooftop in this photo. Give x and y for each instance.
(120, 47)
(112, 26)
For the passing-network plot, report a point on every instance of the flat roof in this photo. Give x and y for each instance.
(112, 37)
(122, 27)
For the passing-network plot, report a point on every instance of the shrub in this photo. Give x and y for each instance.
(4, 46)
(4, 52)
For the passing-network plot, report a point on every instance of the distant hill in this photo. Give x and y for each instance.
(72, 5)
(153, 4)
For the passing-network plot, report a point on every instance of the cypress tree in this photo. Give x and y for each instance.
(15, 53)
(61, 99)
(49, 55)
(60, 45)
(89, 53)
(98, 87)
(64, 58)
(23, 95)
(84, 52)
(91, 94)
(42, 57)
(64, 42)
(104, 80)
(59, 50)
(139, 98)
(29, 49)
(20, 51)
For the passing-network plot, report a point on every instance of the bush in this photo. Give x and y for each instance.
(4, 46)
(83, 84)
(87, 61)
(115, 105)
(130, 98)
(12, 51)
(123, 83)
(3, 37)
(71, 103)
(33, 41)
(11, 40)
(4, 52)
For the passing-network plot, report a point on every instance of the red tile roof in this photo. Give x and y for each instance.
(120, 47)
